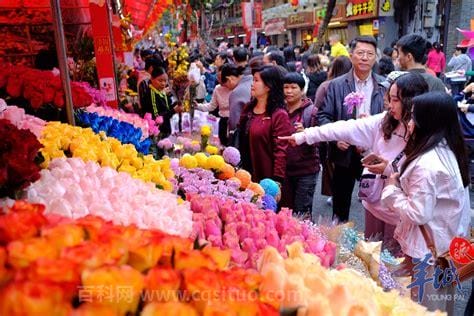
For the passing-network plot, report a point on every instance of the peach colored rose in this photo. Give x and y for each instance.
(220, 257)
(162, 285)
(117, 287)
(91, 309)
(64, 235)
(193, 259)
(91, 254)
(33, 298)
(61, 272)
(169, 308)
(22, 253)
(144, 257)
(22, 221)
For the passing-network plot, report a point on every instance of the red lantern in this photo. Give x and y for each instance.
(294, 3)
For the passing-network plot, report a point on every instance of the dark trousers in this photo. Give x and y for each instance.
(342, 186)
(223, 138)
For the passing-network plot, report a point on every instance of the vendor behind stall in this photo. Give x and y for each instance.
(158, 100)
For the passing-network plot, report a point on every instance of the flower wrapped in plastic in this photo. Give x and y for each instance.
(123, 131)
(19, 158)
(74, 188)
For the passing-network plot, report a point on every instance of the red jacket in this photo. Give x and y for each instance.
(266, 152)
(304, 159)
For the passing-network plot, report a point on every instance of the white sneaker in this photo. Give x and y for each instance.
(329, 201)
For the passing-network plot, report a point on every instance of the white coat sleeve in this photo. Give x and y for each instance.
(417, 201)
(361, 132)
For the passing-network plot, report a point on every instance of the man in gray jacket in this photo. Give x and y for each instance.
(345, 156)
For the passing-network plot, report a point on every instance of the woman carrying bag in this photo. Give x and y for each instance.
(430, 194)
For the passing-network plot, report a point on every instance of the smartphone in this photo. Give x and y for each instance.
(371, 159)
(394, 167)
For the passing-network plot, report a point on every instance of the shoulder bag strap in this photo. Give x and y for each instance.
(429, 240)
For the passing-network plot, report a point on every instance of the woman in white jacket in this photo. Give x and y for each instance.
(384, 134)
(431, 190)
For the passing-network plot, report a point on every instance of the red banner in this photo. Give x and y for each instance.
(103, 51)
(258, 23)
(246, 14)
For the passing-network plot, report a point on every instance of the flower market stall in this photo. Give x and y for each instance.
(105, 216)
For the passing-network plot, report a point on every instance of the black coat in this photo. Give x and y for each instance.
(333, 109)
(163, 106)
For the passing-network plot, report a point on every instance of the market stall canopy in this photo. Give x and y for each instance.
(26, 26)
(139, 9)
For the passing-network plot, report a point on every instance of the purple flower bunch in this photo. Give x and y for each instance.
(203, 182)
(231, 156)
(353, 100)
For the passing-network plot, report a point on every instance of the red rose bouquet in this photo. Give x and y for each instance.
(18, 158)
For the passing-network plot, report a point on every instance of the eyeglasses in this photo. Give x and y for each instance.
(361, 53)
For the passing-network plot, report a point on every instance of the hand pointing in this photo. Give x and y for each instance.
(291, 139)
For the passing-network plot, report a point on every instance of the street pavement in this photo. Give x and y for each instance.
(321, 210)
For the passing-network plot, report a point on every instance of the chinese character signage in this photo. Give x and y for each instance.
(103, 49)
(258, 6)
(300, 19)
(361, 9)
(275, 26)
(386, 8)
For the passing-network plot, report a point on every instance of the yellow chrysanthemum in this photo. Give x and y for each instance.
(188, 161)
(206, 130)
(201, 159)
(212, 150)
(216, 162)
(62, 140)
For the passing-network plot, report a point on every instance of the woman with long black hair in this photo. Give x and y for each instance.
(430, 193)
(263, 120)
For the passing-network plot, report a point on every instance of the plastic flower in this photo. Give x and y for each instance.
(62, 140)
(216, 162)
(244, 177)
(255, 187)
(201, 159)
(269, 203)
(231, 155)
(212, 150)
(166, 144)
(270, 187)
(188, 161)
(226, 172)
(206, 130)
(105, 285)
(22, 221)
(353, 100)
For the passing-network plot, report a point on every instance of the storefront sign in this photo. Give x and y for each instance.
(300, 20)
(274, 26)
(338, 14)
(366, 29)
(360, 9)
(103, 50)
(386, 8)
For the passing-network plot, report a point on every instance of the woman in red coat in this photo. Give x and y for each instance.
(262, 121)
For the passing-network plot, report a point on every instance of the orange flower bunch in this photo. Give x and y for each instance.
(47, 262)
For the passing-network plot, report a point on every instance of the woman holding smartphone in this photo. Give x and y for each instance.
(386, 135)
(430, 194)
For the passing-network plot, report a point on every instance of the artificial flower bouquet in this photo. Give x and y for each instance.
(54, 265)
(19, 158)
(353, 101)
(44, 87)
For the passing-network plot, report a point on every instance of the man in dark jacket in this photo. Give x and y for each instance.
(346, 157)
(302, 162)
